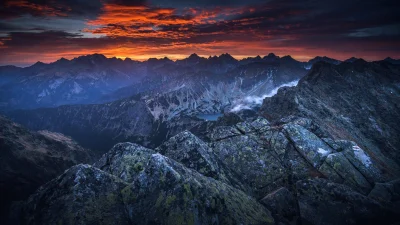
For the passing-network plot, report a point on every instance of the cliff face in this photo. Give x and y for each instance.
(358, 101)
(30, 159)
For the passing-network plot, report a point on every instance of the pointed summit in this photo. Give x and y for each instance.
(226, 55)
(323, 58)
(194, 56)
(352, 59)
(227, 58)
(271, 57)
(38, 65)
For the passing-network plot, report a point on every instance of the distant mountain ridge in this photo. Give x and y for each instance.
(96, 79)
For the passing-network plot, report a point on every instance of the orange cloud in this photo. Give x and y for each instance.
(143, 21)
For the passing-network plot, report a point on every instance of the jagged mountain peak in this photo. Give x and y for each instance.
(93, 59)
(391, 60)
(93, 56)
(165, 59)
(352, 59)
(288, 57)
(271, 55)
(39, 63)
(61, 62)
(194, 56)
(227, 56)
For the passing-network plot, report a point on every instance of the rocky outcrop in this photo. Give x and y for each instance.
(29, 159)
(355, 101)
(160, 191)
(312, 160)
(225, 180)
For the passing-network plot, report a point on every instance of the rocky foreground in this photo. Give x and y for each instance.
(323, 152)
(249, 173)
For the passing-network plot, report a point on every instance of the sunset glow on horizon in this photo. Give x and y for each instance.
(45, 31)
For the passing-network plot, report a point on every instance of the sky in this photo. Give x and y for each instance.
(46, 30)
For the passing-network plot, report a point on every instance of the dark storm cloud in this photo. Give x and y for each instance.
(179, 26)
(43, 8)
(204, 3)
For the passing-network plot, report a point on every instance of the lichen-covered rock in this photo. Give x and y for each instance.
(338, 163)
(223, 132)
(282, 203)
(324, 202)
(193, 153)
(333, 144)
(362, 161)
(125, 160)
(293, 163)
(163, 191)
(248, 159)
(308, 144)
(355, 101)
(260, 124)
(82, 195)
(168, 193)
(244, 127)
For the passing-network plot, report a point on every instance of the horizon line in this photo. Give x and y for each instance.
(174, 59)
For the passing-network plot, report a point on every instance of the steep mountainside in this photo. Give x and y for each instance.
(249, 173)
(358, 101)
(97, 79)
(323, 152)
(96, 126)
(168, 103)
(81, 80)
(29, 159)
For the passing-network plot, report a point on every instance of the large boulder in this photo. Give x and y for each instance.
(159, 191)
(82, 195)
(192, 152)
(125, 160)
(251, 161)
(336, 164)
(307, 144)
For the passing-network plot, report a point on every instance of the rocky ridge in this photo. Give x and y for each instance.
(288, 168)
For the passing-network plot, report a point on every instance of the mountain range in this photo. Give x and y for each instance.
(97, 79)
(262, 140)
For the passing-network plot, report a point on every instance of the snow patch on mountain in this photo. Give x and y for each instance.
(44, 93)
(249, 102)
(76, 89)
(56, 83)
